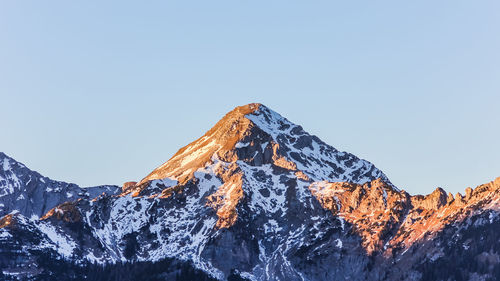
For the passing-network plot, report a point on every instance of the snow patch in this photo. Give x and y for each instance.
(338, 243)
(240, 145)
(63, 244)
(6, 165)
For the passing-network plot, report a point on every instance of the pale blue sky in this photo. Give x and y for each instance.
(102, 93)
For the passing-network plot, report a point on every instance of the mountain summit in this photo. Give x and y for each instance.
(249, 141)
(258, 198)
(255, 135)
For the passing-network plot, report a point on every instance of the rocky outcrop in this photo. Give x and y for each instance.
(66, 211)
(433, 201)
(389, 219)
(128, 186)
(374, 209)
(424, 222)
(227, 197)
(7, 221)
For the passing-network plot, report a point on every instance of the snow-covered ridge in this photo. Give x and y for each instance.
(30, 193)
(318, 160)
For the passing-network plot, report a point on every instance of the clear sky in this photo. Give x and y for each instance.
(102, 93)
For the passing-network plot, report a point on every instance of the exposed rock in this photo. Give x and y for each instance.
(67, 212)
(433, 201)
(219, 140)
(374, 209)
(128, 185)
(468, 193)
(7, 221)
(225, 199)
(450, 198)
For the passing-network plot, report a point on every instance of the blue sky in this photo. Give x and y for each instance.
(102, 93)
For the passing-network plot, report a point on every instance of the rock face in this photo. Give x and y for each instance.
(258, 198)
(128, 185)
(32, 195)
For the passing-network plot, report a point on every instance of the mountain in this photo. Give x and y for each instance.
(258, 198)
(32, 195)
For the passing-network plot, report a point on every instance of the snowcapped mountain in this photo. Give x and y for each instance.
(32, 195)
(258, 198)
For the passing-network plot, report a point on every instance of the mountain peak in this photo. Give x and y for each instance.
(222, 136)
(219, 140)
(255, 196)
(255, 135)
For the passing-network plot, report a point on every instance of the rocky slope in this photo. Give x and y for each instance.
(32, 195)
(258, 198)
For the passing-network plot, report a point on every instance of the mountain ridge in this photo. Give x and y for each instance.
(260, 125)
(256, 197)
(32, 194)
